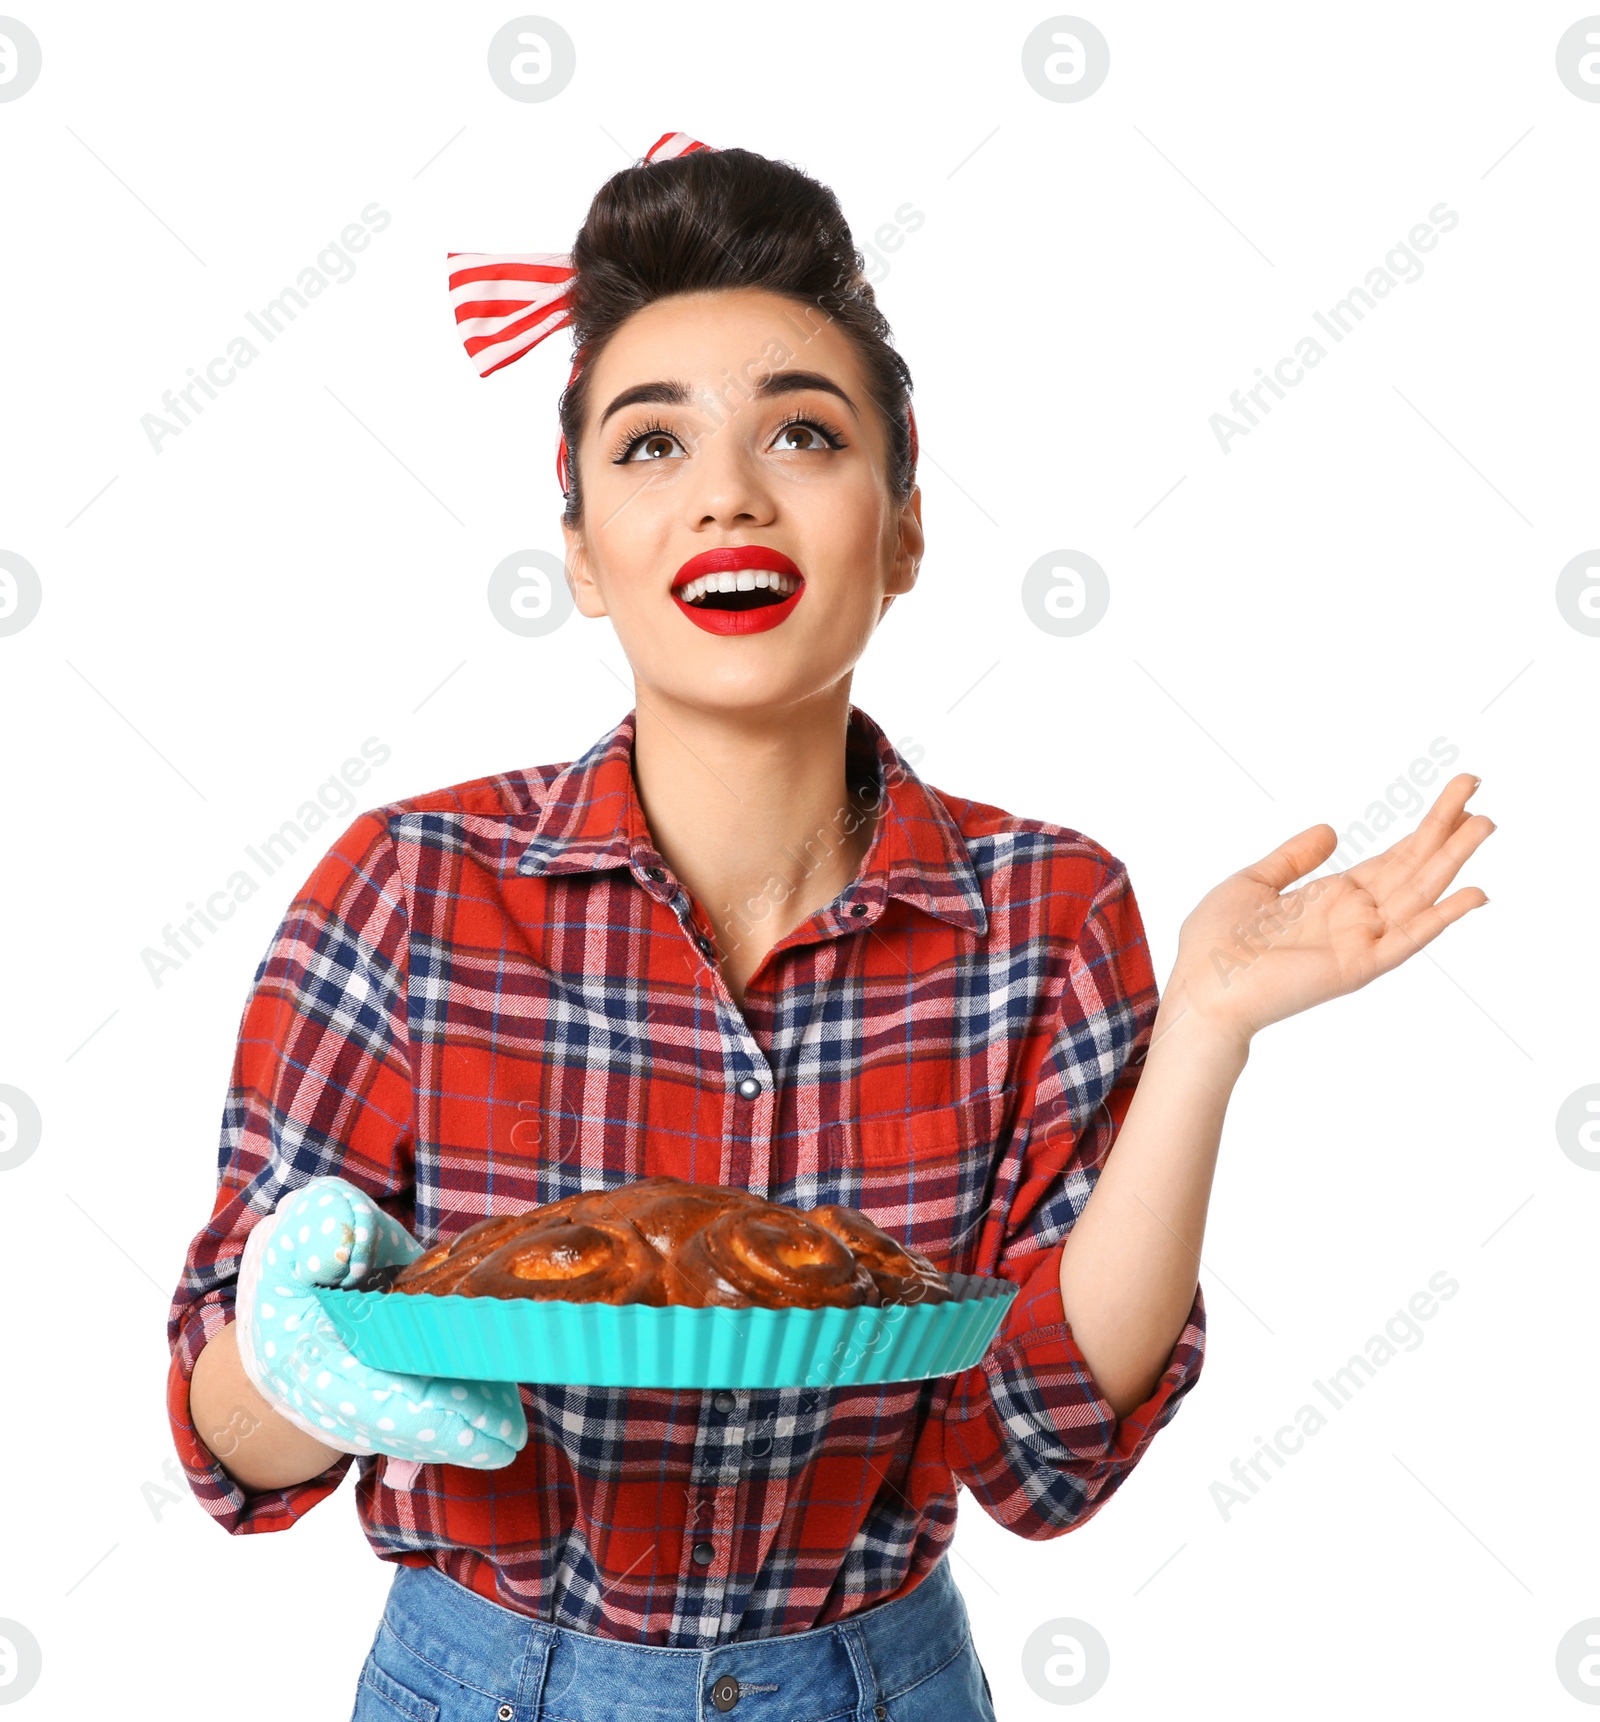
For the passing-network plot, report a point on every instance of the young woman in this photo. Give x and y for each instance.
(739, 940)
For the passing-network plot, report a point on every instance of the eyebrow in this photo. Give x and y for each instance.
(676, 394)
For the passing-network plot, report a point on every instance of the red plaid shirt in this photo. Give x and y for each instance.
(493, 995)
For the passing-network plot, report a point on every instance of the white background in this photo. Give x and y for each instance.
(1373, 567)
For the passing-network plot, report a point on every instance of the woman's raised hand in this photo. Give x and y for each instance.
(1252, 952)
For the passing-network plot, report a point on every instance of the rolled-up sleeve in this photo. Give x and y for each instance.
(322, 1085)
(1027, 1429)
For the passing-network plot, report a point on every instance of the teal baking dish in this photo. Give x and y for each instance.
(640, 1345)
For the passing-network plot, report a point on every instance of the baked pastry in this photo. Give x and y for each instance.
(594, 1260)
(900, 1274)
(440, 1266)
(663, 1240)
(764, 1254)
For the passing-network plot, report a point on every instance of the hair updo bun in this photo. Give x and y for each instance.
(717, 219)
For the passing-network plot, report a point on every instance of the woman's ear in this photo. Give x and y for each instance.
(580, 580)
(910, 545)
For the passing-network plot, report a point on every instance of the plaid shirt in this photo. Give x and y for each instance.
(493, 995)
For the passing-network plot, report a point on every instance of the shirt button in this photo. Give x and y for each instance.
(706, 947)
(858, 908)
(703, 1553)
(724, 1401)
(655, 873)
(749, 1088)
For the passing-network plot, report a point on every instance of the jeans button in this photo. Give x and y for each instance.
(505, 1713)
(725, 1692)
(749, 1088)
(703, 1554)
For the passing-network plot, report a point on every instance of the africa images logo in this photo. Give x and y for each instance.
(1401, 266)
(1401, 1333)
(333, 266)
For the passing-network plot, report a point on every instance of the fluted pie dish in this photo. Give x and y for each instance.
(668, 1283)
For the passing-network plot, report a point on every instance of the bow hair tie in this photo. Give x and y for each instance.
(506, 303)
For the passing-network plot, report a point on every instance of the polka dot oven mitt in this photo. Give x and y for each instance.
(330, 1233)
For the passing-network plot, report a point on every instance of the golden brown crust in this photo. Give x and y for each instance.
(901, 1274)
(664, 1240)
(770, 1257)
(439, 1268)
(579, 1260)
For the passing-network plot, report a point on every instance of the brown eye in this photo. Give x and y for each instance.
(805, 436)
(653, 442)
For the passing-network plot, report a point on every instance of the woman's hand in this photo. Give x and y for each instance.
(1252, 953)
(330, 1233)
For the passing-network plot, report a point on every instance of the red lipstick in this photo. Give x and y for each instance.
(728, 560)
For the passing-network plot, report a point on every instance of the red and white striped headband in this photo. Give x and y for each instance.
(507, 303)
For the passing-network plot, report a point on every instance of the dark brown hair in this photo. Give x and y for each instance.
(718, 219)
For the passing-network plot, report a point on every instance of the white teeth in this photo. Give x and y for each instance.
(738, 580)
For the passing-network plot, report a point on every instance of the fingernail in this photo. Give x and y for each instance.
(1477, 783)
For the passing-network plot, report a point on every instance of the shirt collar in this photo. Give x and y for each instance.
(591, 819)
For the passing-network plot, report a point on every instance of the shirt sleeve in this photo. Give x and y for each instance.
(1027, 1429)
(321, 1086)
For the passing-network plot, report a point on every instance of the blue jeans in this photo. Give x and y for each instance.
(445, 1654)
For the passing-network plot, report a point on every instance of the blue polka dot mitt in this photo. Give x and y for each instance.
(329, 1233)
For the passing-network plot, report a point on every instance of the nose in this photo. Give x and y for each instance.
(729, 487)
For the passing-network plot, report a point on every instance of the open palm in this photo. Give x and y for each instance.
(1252, 952)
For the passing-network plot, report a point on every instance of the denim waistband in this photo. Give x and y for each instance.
(849, 1668)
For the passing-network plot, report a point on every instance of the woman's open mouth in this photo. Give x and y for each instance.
(742, 589)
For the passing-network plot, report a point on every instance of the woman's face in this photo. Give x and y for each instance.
(724, 452)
